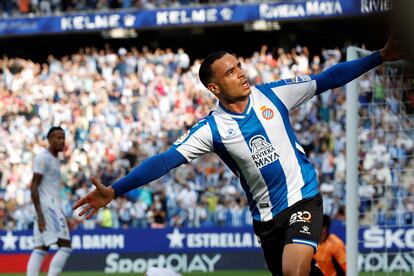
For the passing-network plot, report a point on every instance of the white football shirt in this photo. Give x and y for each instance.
(259, 146)
(48, 166)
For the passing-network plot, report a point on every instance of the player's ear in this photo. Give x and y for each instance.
(213, 88)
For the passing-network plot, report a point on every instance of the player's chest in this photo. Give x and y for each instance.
(263, 121)
(53, 170)
(254, 138)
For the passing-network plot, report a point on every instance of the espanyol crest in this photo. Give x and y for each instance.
(267, 112)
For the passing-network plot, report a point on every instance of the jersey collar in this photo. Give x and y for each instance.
(236, 115)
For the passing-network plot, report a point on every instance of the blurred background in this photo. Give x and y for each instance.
(121, 77)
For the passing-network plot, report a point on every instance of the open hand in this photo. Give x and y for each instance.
(95, 199)
(392, 50)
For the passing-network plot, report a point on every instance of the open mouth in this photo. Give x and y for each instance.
(246, 84)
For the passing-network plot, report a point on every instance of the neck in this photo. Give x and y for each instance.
(237, 106)
(53, 152)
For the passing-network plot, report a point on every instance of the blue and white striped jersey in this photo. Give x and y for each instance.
(259, 146)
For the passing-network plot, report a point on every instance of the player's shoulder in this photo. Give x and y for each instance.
(201, 123)
(287, 81)
(213, 112)
(44, 154)
(218, 112)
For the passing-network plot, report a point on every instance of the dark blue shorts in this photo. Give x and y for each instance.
(300, 223)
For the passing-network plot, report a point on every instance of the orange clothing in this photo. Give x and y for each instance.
(24, 6)
(332, 247)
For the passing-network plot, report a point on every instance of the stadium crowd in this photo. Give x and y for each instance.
(119, 107)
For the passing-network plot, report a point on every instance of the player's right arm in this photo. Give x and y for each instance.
(39, 167)
(149, 170)
(192, 144)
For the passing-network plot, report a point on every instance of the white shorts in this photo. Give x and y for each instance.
(56, 227)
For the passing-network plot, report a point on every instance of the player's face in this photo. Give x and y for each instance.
(57, 140)
(229, 79)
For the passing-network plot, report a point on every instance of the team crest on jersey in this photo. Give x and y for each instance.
(263, 153)
(267, 112)
(182, 138)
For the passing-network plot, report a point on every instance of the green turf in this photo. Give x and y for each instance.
(218, 273)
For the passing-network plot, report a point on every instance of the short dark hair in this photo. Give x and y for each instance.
(326, 221)
(205, 73)
(52, 129)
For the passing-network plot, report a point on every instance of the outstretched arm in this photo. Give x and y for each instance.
(151, 169)
(342, 73)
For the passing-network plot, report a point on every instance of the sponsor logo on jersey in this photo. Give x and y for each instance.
(301, 216)
(305, 230)
(263, 153)
(230, 133)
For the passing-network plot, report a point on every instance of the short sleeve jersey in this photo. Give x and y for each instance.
(49, 167)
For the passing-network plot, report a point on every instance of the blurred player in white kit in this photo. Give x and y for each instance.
(50, 225)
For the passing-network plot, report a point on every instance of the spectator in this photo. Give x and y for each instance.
(104, 219)
(331, 255)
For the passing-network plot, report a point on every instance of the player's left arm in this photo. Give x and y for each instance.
(342, 73)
